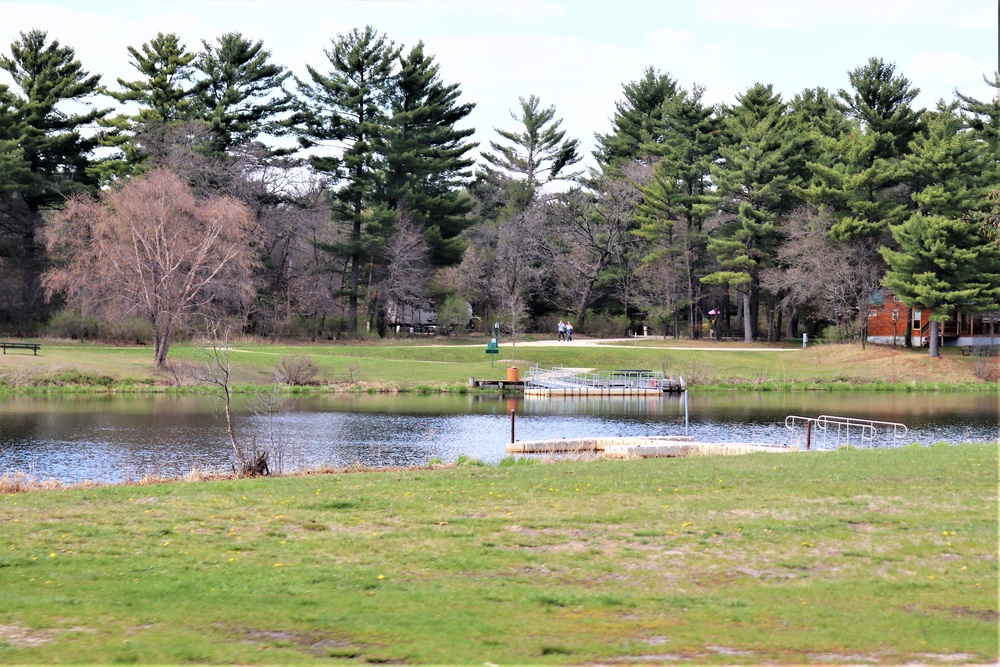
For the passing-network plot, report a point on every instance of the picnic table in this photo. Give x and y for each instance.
(979, 351)
(34, 347)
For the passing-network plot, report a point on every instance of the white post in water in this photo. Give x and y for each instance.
(685, 412)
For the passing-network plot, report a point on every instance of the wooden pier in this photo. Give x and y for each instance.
(641, 447)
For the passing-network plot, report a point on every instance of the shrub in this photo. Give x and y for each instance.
(297, 370)
(70, 323)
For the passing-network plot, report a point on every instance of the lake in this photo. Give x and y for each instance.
(116, 438)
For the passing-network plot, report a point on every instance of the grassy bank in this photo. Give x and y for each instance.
(844, 557)
(441, 365)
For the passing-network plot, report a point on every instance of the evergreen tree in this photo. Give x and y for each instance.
(52, 159)
(679, 197)
(820, 117)
(638, 121)
(863, 187)
(881, 100)
(241, 94)
(984, 120)
(535, 155)
(945, 259)
(946, 166)
(426, 156)
(942, 263)
(762, 165)
(164, 95)
(349, 107)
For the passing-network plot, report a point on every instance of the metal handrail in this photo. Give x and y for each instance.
(830, 427)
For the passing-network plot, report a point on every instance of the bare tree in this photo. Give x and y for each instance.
(522, 257)
(833, 279)
(152, 247)
(661, 290)
(594, 231)
(251, 459)
(404, 276)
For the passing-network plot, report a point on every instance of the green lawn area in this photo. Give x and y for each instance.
(444, 364)
(882, 556)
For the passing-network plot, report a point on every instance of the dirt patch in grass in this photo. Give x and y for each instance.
(22, 637)
(315, 644)
(988, 615)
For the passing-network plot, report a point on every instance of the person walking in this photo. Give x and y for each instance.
(562, 330)
(569, 332)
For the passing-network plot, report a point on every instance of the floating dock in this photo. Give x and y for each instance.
(576, 383)
(641, 447)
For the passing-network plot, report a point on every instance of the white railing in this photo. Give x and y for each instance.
(831, 432)
(557, 378)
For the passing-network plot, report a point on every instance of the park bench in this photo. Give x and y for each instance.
(979, 351)
(34, 347)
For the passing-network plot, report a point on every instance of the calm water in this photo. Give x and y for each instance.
(117, 438)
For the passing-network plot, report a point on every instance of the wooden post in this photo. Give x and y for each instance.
(512, 426)
(809, 429)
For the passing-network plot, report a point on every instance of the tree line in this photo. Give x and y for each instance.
(222, 186)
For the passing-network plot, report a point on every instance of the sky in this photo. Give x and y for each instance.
(575, 55)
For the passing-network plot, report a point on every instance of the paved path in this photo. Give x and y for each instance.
(631, 343)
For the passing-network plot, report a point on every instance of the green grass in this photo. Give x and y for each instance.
(441, 365)
(883, 556)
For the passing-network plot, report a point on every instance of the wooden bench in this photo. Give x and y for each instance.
(979, 351)
(34, 347)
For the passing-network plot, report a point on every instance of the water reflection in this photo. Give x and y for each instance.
(114, 438)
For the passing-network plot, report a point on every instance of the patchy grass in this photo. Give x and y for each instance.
(885, 556)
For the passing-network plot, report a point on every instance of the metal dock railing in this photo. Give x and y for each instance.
(572, 382)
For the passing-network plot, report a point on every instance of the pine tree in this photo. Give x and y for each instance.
(53, 157)
(679, 197)
(881, 102)
(945, 259)
(984, 120)
(863, 187)
(638, 121)
(762, 166)
(535, 155)
(942, 263)
(349, 107)
(819, 116)
(426, 156)
(164, 95)
(241, 94)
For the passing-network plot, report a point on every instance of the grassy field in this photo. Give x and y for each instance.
(438, 364)
(884, 556)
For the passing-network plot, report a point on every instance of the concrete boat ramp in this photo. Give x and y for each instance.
(640, 447)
